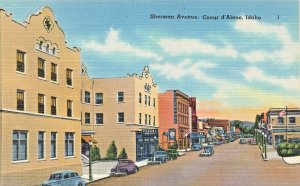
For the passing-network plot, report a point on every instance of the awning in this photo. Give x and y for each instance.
(88, 139)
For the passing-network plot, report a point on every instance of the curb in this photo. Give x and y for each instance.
(97, 180)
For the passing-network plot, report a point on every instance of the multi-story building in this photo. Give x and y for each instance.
(40, 129)
(281, 127)
(195, 125)
(123, 109)
(174, 118)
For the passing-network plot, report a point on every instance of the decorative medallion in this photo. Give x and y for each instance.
(83, 69)
(48, 24)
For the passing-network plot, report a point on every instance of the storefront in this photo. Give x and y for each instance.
(146, 143)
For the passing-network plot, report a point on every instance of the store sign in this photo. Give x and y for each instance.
(286, 130)
(147, 87)
(172, 134)
(150, 132)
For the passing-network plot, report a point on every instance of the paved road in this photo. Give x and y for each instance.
(232, 164)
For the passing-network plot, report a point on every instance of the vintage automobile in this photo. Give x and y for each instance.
(207, 151)
(252, 141)
(124, 167)
(243, 141)
(196, 147)
(64, 178)
(160, 156)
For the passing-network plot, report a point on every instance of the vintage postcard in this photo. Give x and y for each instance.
(128, 92)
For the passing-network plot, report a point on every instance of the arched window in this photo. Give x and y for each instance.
(54, 51)
(41, 45)
(47, 48)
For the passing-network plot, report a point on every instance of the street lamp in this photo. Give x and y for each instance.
(90, 161)
(265, 146)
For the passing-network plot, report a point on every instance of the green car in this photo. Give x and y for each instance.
(172, 153)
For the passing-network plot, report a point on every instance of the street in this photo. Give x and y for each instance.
(232, 164)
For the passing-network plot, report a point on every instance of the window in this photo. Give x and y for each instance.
(121, 118)
(47, 48)
(87, 97)
(69, 144)
(99, 118)
(149, 119)
(53, 72)
(153, 120)
(280, 120)
(87, 117)
(146, 121)
(145, 99)
(69, 73)
(41, 68)
(154, 102)
(53, 105)
(292, 120)
(149, 101)
(120, 96)
(140, 97)
(41, 45)
(41, 145)
(19, 145)
(20, 99)
(140, 118)
(20, 61)
(69, 108)
(41, 103)
(53, 145)
(99, 98)
(54, 51)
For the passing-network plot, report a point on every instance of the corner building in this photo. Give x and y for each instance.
(123, 109)
(40, 129)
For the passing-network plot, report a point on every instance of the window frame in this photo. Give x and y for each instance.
(53, 106)
(294, 118)
(121, 97)
(42, 141)
(42, 68)
(67, 142)
(100, 119)
(23, 68)
(69, 110)
(19, 91)
(87, 97)
(53, 141)
(100, 98)
(19, 140)
(87, 118)
(118, 117)
(69, 80)
(54, 75)
(41, 105)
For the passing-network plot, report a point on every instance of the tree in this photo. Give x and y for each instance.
(257, 121)
(96, 153)
(112, 152)
(123, 154)
(174, 145)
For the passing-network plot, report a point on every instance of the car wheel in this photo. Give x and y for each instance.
(126, 173)
(80, 184)
(135, 170)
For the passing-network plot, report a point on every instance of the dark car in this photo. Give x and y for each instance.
(159, 156)
(207, 151)
(173, 154)
(124, 167)
(196, 147)
(242, 141)
(64, 177)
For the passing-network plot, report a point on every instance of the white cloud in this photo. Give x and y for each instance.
(288, 53)
(186, 68)
(289, 83)
(113, 43)
(177, 47)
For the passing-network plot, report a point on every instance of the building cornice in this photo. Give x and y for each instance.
(37, 114)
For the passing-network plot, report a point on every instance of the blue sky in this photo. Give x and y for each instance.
(235, 68)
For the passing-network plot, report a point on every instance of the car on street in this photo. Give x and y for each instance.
(252, 141)
(196, 147)
(243, 141)
(124, 167)
(64, 178)
(217, 142)
(207, 151)
(159, 156)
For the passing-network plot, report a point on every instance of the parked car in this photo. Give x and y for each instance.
(217, 142)
(207, 151)
(242, 141)
(159, 156)
(252, 141)
(124, 167)
(173, 154)
(64, 178)
(196, 147)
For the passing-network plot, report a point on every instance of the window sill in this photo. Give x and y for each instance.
(99, 125)
(20, 161)
(88, 124)
(98, 104)
(22, 73)
(42, 159)
(40, 78)
(120, 122)
(70, 86)
(69, 157)
(121, 101)
(54, 82)
(53, 158)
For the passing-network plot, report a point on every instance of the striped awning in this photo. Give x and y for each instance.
(88, 139)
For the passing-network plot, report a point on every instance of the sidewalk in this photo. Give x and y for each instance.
(292, 160)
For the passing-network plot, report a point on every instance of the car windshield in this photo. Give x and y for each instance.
(56, 176)
(207, 149)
